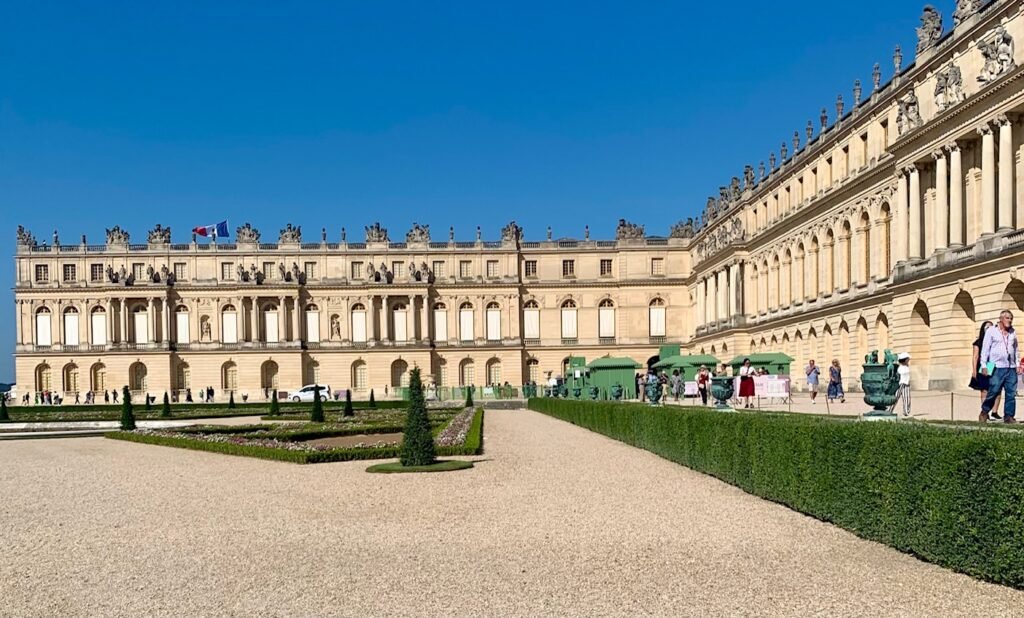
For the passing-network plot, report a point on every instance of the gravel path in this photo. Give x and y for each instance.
(554, 521)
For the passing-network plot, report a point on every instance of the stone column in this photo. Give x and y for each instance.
(426, 324)
(239, 320)
(941, 235)
(734, 287)
(109, 306)
(956, 196)
(1006, 172)
(916, 251)
(166, 335)
(124, 320)
(19, 319)
(254, 319)
(282, 319)
(298, 323)
(713, 298)
(698, 296)
(152, 320)
(720, 289)
(385, 312)
(900, 237)
(988, 180)
(410, 320)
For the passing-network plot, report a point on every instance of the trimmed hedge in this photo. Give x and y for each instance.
(949, 496)
(254, 406)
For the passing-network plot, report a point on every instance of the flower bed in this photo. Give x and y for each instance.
(456, 434)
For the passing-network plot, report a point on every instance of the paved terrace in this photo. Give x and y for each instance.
(554, 521)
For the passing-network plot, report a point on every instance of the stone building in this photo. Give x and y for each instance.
(896, 221)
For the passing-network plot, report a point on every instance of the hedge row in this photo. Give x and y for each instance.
(949, 496)
(387, 404)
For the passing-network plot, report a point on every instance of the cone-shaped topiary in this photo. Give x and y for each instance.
(127, 416)
(348, 404)
(149, 404)
(275, 408)
(3, 408)
(231, 401)
(469, 396)
(165, 411)
(373, 403)
(317, 416)
(418, 442)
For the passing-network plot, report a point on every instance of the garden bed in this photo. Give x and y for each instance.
(455, 434)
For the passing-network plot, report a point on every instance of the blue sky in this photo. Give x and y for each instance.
(457, 113)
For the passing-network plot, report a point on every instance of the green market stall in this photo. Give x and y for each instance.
(775, 363)
(608, 371)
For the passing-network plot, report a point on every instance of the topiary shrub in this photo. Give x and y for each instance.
(469, 396)
(231, 401)
(317, 415)
(3, 408)
(127, 416)
(275, 407)
(149, 403)
(373, 403)
(348, 404)
(418, 441)
(165, 411)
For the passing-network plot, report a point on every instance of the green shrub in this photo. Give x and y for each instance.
(231, 400)
(127, 416)
(148, 403)
(317, 415)
(469, 396)
(348, 404)
(4, 417)
(275, 407)
(373, 402)
(946, 495)
(418, 441)
(165, 411)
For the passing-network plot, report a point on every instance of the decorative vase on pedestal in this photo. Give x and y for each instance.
(616, 392)
(722, 388)
(880, 383)
(594, 393)
(653, 390)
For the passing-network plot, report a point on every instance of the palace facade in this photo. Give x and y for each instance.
(895, 222)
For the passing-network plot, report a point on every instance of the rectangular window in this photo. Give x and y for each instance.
(568, 268)
(357, 270)
(310, 269)
(438, 268)
(863, 150)
(885, 134)
(268, 271)
(225, 272)
(814, 181)
(658, 267)
(398, 269)
(606, 268)
(70, 273)
(846, 160)
(530, 268)
(138, 271)
(180, 271)
(828, 173)
(42, 273)
(465, 269)
(531, 323)
(492, 269)
(96, 272)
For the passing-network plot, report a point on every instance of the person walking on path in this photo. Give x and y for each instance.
(703, 379)
(903, 392)
(835, 382)
(747, 383)
(1000, 361)
(676, 382)
(812, 380)
(979, 381)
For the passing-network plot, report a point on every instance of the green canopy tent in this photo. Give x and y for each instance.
(776, 363)
(607, 371)
(687, 365)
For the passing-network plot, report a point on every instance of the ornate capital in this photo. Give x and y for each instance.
(985, 129)
(1002, 120)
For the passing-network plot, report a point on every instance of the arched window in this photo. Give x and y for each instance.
(71, 320)
(494, 372)
(271, 326)
(229, 376)
(400, 315)
(656, 317)
(885, 243)
(467, 373)
(138, 378)
(359, 323)
(44, 378)
(182, 330)
(98, 378)
(533, 370)
(312, 323)
(569, 321)
(399, 373)
(864, 248)
(359, 378)
(531, 321)
(140, 323)
(466, 322)
(71, 378)
(44, 328)
(98, 332)
(493, 322)
(229, 325)
(311, 372)
(440, 322)
(442, 372)
(182, 377)
(606, 319)
(268, 376)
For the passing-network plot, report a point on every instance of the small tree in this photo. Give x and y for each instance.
(317, 416)
(165, 412)
(231, 401)
(3, 408)
(275, 408)
(348, 404)
(469, 396)
(373, 403)
(127, 416)
(418, 442)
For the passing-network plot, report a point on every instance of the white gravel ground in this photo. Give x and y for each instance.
(554, 521)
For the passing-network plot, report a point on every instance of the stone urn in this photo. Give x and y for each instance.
(722, 388)
(653, 390)
(594, 393)
(616, 392)
(880, 383)
(577, 392)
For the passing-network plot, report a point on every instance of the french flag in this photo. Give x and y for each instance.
(214, 231)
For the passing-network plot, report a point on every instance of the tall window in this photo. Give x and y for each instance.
(268, 271)
(568, 268)
(569, 330)
(310, 269)
(657, 318)
(44, 327)
(70, 273)
(270, 324)
(467, 373)
(466, 322)
(658, 267)
(494, 372)
(357, 270)
(531, 320)
(99, 326)
(229, 376)
(438, 268)
(229, 325)
(606, 319)
(398, 269)
(493, 322)
(465, 269)
(71, 378)
(533, 370)
(606, 268)
(359, 381)
(312, 324)
(71, 326)
(180, 271)
(225, 271)
(42, 273)
(359, 323)
(138, 271)
(181, 325)
(442, 372)
(96, 273)
(440, 322)
(400, 315)
(492, 269)
(530, 268)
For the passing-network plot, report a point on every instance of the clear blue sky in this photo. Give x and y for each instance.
(456, 113)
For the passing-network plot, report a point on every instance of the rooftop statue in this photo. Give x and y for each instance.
(930, 30)
(159, 235)
(291, 234)
(247, 233)
(965, 9)
(117, 236)
(377, 233)
(628, 231)
(998, 54)
(25, 238)
(683, 229)
(511, 232)
(418, 234)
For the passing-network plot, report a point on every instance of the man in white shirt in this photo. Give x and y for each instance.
(1000, 354)
(903, 371)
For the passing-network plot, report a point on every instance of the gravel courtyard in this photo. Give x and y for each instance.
(554, 521)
